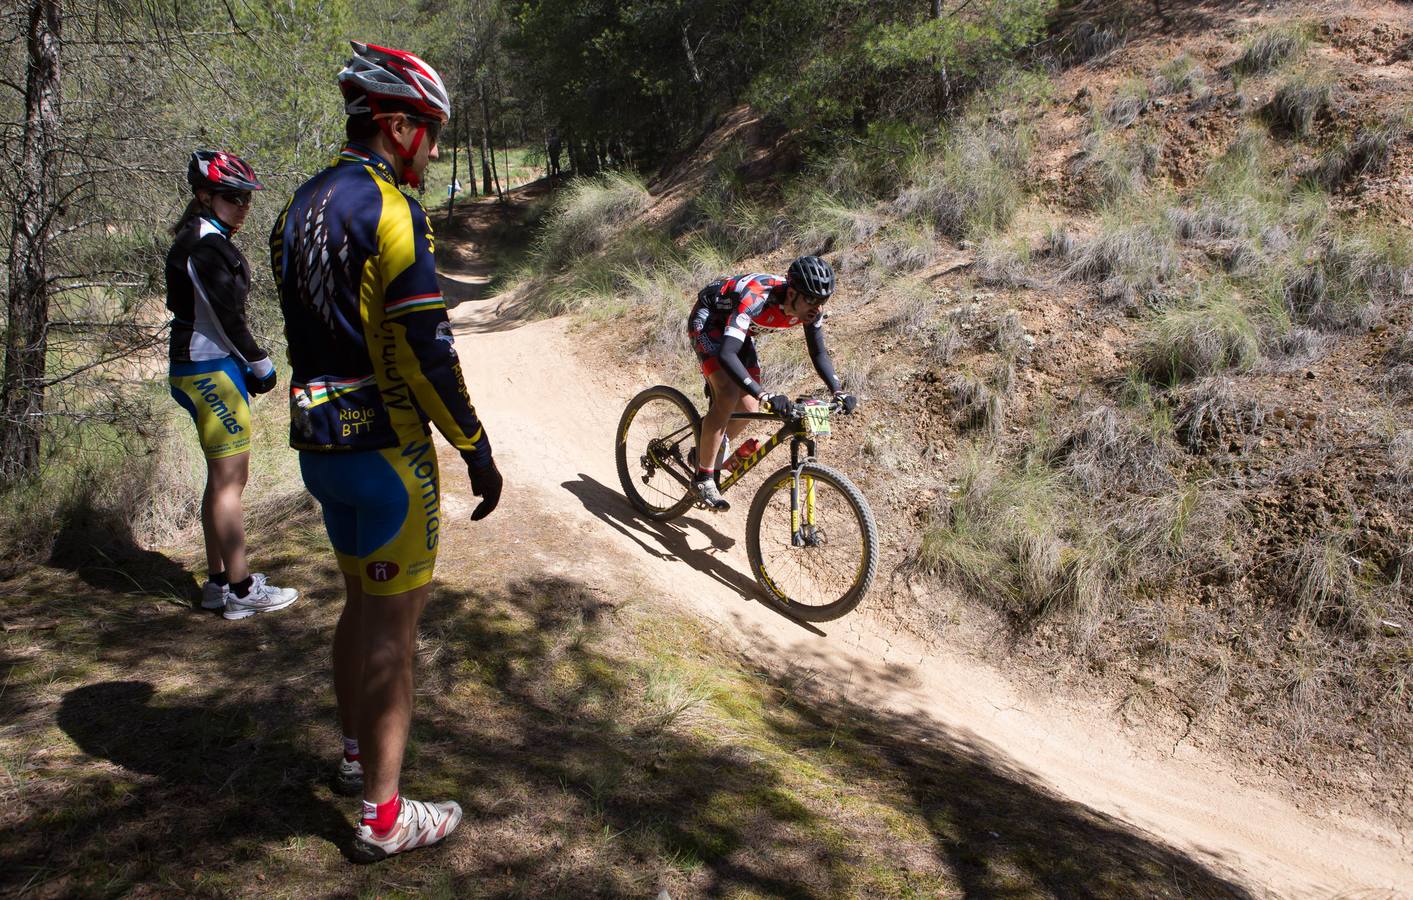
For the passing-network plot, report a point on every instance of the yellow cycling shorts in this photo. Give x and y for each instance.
(382, 510)
(213, 391)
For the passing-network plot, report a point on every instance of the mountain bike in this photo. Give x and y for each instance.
(810, 534)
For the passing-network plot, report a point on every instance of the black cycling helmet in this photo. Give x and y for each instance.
(217, 170)
(811, 276)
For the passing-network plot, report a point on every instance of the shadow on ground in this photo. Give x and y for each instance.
(97, 545)
(588, 763)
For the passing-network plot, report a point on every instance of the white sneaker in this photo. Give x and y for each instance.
(419, 824)
(213, 595)
(349, 780)
(263, 597)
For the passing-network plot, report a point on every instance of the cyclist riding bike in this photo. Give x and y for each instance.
(724, 321)
(373, 362)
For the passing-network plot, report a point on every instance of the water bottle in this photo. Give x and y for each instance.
(743, 452)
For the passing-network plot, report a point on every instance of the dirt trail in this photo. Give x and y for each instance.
(553, 428)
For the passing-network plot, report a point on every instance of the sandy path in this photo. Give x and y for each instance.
(564, 514)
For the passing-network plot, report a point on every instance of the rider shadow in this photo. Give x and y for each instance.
(98, 546)
(202, 761)
(668, 540)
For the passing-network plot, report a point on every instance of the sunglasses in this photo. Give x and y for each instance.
(237, 198)
(433, 126)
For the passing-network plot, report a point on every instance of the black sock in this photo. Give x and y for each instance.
(704, 474)
(219, 578)
(242, 588)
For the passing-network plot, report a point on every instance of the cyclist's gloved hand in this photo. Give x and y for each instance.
(846, 401)
(260, 376)
(486, 484)
(780, 405)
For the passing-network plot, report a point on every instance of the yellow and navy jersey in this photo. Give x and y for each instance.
(370, 346)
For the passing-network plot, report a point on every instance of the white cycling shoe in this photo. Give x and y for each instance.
(419, 824)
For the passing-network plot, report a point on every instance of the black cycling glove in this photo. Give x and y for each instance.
(486, 483)
(846, 401)
(257, 385)
(780, 405)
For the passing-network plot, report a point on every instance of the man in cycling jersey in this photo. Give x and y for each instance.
(723, 323)
(372, 362)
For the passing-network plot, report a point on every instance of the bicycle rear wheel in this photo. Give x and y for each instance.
(822, 565)
(656, 434)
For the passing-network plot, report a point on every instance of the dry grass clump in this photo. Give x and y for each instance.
(1090, 40)
(657, 285)
(1004, 259)
(944, 340)
(1112, 449)
(1330, 585)
(821, 221)
(970, 186)
(980, 402)
(1398, 381)
(1212, 414)
(904, 247)
(586, 215)
(1400, 454)
(748, 228)
(1297, 346)
(1021, 540)
(1297, 103)
(1340, 280)
(1115, 167)
(916, 304)
(1179, 74)
(1127, 104)
(1272, 48)
(1367, 153)
(1209, 334)
(1133, 254)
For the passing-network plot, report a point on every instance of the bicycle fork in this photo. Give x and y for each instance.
(797, 526)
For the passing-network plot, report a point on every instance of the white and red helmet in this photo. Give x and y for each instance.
(377, 74)
(217, 170)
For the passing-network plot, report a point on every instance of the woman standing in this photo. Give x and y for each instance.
(215, 366)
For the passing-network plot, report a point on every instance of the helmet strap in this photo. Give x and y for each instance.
(408, 175)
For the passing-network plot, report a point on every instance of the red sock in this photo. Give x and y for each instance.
(350, 749)
(381, 817)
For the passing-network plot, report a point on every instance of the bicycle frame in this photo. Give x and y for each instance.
(799, 440)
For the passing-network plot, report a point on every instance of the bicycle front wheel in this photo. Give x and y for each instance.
(819, 561)
(656, 434)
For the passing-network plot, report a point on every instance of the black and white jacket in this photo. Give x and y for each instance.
(207, 283)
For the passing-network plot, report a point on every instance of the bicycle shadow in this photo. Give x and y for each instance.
(670, 541)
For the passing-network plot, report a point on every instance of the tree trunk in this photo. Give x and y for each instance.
(22, 392)
(486, 164)
(936, 9)
(451, 192)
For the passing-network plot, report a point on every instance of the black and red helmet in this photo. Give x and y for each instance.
(378, 74)
(217, 170)
(811, 276)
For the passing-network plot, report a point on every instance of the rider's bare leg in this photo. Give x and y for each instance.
(726, 398)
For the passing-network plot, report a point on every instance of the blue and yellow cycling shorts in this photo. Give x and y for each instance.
(382, 509)
(213, 391)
